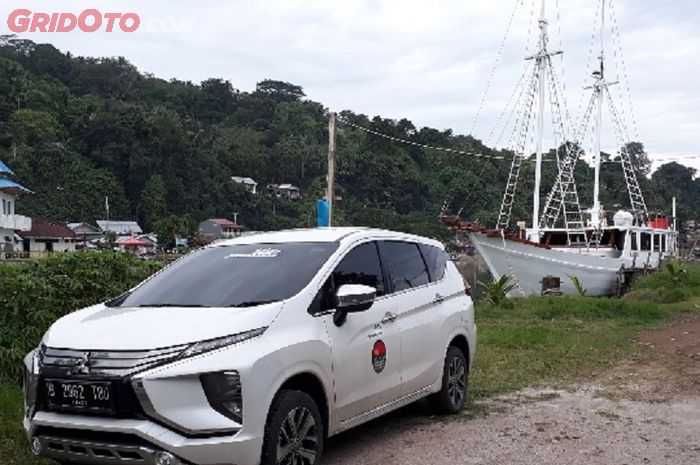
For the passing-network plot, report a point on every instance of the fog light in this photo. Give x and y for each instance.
(166, 458)
(223, 391)
(36, 446)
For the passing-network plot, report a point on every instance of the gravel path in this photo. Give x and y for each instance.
(645, 411)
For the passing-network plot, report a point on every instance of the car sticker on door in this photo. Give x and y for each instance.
(379, 356)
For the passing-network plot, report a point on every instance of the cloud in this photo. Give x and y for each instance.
(426, 61)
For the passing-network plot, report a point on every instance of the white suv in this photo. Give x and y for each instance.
(254, 350)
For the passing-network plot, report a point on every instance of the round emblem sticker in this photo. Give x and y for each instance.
(379, 356)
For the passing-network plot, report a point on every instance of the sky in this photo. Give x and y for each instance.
(447, 64)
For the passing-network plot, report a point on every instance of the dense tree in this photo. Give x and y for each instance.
(77, 130)
(153, 203)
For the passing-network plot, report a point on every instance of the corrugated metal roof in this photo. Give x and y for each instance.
(6, 184)
(224, 222)
(120, 227)
(4, 168)
(42, 227)
(241, 180)
(74, 226)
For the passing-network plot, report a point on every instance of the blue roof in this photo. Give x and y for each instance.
(4, 168)
(6, 184)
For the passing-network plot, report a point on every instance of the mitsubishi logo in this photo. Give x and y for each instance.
(82, 365)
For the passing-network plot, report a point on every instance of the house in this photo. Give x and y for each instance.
(249, 184)
(120, 228)
(48, 235)
(286, 191)
(139, 245)
(219, 228)
(85, 231)
(10, 222)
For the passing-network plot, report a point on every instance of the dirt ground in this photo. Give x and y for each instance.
(645, 411)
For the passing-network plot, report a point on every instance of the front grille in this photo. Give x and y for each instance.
(88, 435)
(106, 363)
(97, 447)
(117, 367)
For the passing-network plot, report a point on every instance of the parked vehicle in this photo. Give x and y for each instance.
(254, 350)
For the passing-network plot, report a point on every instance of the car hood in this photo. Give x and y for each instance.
(117, 328)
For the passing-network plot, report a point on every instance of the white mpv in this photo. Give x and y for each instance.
(254, 350)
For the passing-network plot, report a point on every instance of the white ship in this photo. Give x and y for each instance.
(601, 250)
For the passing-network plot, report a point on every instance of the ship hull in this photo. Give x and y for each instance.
(527, 264)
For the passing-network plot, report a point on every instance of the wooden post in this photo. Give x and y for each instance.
(330, 188)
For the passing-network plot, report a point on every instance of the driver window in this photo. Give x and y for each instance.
(360, 266)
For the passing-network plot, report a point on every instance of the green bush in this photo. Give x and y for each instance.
(675, 282)
(33, 295)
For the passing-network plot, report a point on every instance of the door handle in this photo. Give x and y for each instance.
(438, 298)
(389, 318)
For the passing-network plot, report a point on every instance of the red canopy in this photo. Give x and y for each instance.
(132, 242)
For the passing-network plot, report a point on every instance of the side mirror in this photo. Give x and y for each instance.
(352, 298)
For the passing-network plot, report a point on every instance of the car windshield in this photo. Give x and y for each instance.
(233, 276)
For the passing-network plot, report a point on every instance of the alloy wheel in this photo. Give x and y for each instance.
(298, 438)
(457, 381)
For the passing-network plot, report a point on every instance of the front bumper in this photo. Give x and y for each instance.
(85, 439)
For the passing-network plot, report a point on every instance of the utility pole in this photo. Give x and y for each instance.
(330, 188)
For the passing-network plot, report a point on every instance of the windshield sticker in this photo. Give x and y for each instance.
(259, 253)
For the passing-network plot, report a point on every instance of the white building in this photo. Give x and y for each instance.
(10, 222)
(120, 228)
(287, 191)
(249, 184)
(48, 236)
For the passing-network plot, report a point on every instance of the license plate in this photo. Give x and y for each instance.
(79, 395)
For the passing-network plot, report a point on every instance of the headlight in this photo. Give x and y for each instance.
(213, 344)
(223, 391)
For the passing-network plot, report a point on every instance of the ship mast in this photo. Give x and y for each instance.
(542, 61)
(599, 90)
(541, 74)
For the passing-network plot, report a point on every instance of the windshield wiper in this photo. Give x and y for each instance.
(118, 300)
(253, 303)
(173, 305)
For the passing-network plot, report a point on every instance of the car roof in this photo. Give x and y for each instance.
(337, 234)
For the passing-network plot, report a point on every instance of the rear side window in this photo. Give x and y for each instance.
(406, 265)
(436, 260)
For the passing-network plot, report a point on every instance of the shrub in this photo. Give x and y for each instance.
(580, 290)
(496, 291)
(33, 295)
(676, 282)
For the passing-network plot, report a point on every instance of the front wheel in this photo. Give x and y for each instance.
(294, 431)
(455, 381)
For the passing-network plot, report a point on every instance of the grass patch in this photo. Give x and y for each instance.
(536, 341)
(555, 340)
(14, 448)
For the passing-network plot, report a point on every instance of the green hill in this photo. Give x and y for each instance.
(76, 130)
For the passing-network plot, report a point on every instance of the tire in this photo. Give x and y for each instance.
(452, 397)
(283, 445)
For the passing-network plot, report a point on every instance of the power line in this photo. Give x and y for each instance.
(418, 144)
(499, 54)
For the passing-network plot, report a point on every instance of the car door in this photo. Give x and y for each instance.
(418, 300)
(366, 348)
